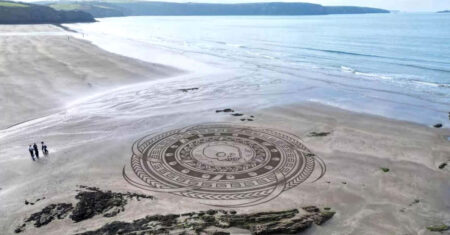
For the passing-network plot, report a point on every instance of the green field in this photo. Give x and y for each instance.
(12, 4)
(65, 7)
(72, 7)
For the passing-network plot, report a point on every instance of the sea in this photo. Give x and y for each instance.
(391, 65)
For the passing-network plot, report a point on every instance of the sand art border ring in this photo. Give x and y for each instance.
(232, 165)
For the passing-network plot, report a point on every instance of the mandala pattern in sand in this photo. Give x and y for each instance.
(228, 165)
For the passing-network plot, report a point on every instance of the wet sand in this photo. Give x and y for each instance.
(93, 149)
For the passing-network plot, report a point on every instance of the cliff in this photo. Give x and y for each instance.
(25, 13)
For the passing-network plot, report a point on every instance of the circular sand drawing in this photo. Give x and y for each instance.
(222, 162)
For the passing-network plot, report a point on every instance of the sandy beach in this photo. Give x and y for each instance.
(43, 67)
(382, 176)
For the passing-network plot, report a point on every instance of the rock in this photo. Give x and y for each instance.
(220, 233)
(237, 114)
(318, 134)
(188, 89)
(438, 125)
(20, 228)
(211, 212)
(311, 209)
(242, 119)
(225, 111)
(414, 202)
(95, 201)
(323, 217)
(190, 214)
(91, 201)
(113, 212)
(438, 228)
(442, 165)
(384, 169)
(279, 222)
(49, 213)
(249, 119)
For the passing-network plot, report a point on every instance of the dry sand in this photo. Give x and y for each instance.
(42, 67)
(92, 150)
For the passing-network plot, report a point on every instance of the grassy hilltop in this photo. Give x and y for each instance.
(25, 13)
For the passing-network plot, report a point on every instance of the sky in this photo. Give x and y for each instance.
(402, 5)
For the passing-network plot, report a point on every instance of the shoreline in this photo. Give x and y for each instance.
(316, 84)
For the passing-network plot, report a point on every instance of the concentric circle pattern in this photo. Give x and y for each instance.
(222, 162)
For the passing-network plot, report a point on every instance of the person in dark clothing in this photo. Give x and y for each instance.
(30, 148)
(36, 150)
(44, 148)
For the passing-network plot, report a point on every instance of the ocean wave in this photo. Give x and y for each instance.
(228, 44)
(393, 58)
(370, 75)
(432, 84)
(347, 69)
(374, 75)
(399, 78)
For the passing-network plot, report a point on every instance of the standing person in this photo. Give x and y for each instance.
(36, 150)
(44, 148)
(30, 148)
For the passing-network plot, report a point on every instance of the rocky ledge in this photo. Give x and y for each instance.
(279, 222)
(92, 201)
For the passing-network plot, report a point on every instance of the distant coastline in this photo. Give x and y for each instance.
(26, 13)
(142, 8)
(81, 12)
(446, 11)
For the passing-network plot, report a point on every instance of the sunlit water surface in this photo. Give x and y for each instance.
(394, 65)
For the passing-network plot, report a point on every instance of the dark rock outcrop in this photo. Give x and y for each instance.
(225, 110)
(318, 134)
(438, 228)
(50, 213)
(91, 201)
(384, 169)
(438, 125)
(280, 222)
(189, 89)
(94, 201)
